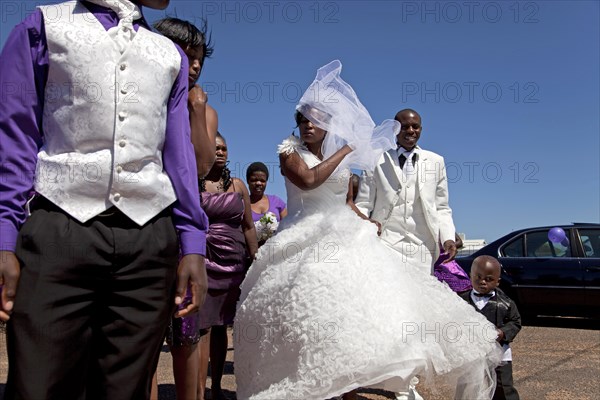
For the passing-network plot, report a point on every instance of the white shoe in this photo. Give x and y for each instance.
(402, 395)
(410, 395)
(414, 395)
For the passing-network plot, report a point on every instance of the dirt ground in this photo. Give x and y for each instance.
(549, 363)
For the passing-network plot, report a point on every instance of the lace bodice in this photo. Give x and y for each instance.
(332, 193)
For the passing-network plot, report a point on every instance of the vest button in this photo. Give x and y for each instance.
(123, 90)
(119, 169)
(122, 143)
(122, 115)
(123, 67)
(117, 197)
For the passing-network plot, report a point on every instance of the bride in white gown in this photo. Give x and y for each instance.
(327, 308)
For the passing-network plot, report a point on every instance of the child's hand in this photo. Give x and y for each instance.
(500, 335)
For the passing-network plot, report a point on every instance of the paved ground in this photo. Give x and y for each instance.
(555, 360)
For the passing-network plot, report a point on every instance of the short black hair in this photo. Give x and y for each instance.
(408, 111)
(256, 167)
(186, 34)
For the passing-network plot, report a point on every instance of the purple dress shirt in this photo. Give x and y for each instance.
(23, 76)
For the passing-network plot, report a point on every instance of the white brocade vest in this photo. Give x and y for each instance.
(104, 118)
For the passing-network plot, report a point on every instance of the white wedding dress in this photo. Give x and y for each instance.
(327, 308)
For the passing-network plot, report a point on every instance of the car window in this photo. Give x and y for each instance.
(514, 248)
(538, 245)
(590, 238)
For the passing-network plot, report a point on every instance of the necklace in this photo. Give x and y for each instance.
(220, 186)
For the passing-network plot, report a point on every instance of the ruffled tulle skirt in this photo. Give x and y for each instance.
(327, 308)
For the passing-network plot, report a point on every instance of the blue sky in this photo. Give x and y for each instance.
(509, 91)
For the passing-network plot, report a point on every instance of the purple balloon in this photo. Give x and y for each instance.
(556, 235)
(565, 242)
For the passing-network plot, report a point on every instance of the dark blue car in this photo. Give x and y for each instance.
(548, 278)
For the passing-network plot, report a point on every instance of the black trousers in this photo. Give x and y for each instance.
(505, 389)
(92, 305)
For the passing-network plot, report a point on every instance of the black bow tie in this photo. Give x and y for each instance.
(488, 295)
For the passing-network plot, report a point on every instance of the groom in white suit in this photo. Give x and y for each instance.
(407, 195)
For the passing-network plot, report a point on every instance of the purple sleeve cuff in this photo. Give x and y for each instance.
(193, 243)
(8, 237)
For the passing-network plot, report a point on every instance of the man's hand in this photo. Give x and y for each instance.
(191, 271)
(9, 278)
(450, 248)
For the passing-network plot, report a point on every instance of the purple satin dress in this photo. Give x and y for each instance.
(226, 257)
(226, 265)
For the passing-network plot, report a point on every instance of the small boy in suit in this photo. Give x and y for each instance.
(500, 310)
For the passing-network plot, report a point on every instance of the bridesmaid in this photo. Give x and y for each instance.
(257, 176)
(183, 335)
(231, 245)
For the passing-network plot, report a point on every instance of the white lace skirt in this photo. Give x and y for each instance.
(327, 308)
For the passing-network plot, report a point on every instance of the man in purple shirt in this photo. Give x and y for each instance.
(87, 303)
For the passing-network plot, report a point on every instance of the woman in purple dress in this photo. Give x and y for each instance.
(230, 247)
(257, 176)
(183, 334)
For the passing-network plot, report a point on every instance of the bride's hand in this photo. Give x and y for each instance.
(378, 226)
(354, 145)
(349, 148)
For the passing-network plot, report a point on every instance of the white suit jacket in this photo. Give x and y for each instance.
(379, 192)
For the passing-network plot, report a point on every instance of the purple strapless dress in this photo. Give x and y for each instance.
(226, 265)
(226, 257)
